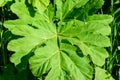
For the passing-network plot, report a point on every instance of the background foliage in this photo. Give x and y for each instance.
(59, 40)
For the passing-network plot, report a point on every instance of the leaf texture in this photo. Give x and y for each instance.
(60, 48)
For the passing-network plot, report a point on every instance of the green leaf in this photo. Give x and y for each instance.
(19, 8)
(66, 66)
(101, 74)
(40, 4)
(88, 36)
(43, 55)
(67, 6)
(50, 12)
(97, 54)
(24, 27)
(58, 47)
(104, 19)
(3, 2)
(80, 9)
(97, 4)
(118, 47)
(34, 38)
(73, 63)
(93, 5)
(41, 38)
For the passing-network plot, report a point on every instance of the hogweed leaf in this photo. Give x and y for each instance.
(57, 46)
(39, 36)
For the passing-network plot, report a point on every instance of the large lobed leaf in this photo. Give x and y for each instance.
(54, 46)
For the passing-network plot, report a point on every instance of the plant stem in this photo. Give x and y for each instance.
(3, 47)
